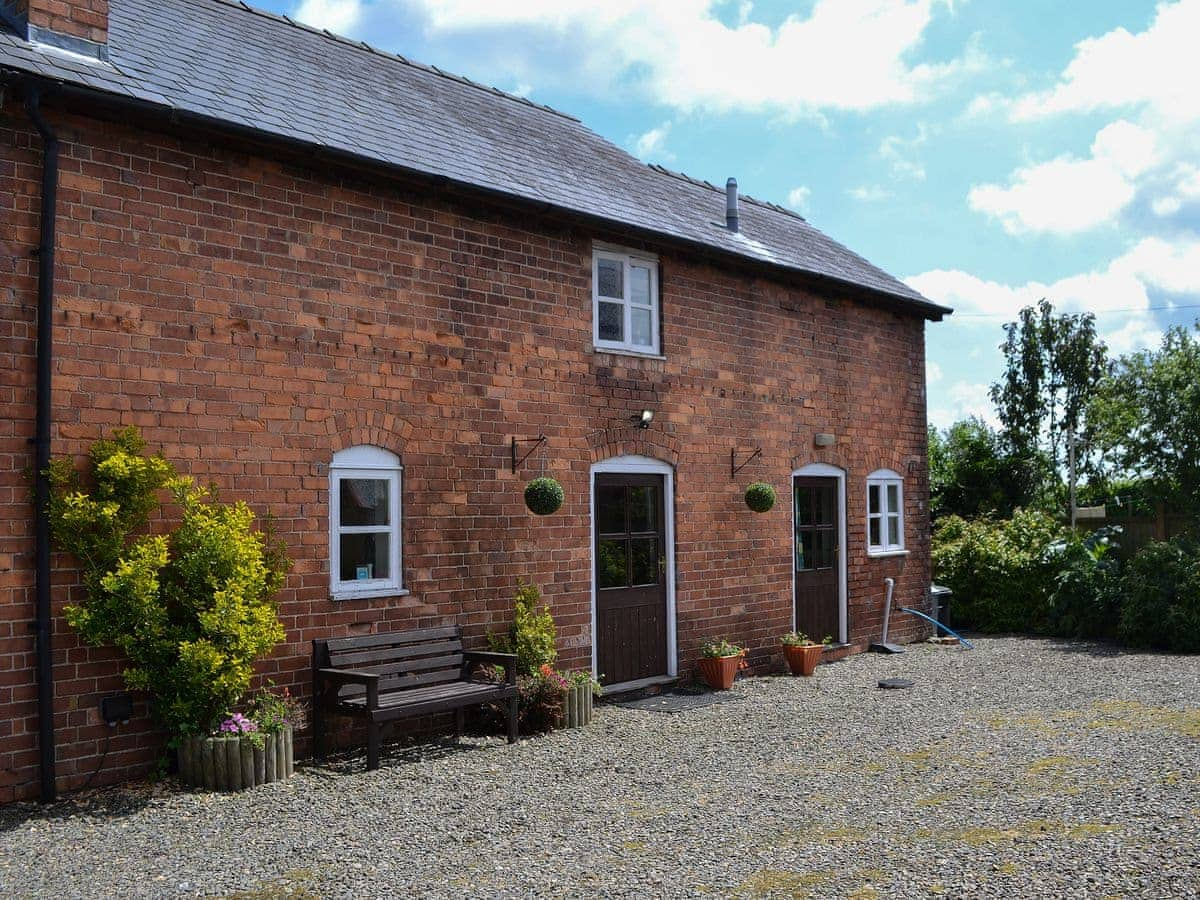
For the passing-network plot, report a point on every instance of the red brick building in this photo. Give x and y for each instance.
(310, 271)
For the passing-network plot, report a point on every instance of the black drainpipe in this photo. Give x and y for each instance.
(41, 443)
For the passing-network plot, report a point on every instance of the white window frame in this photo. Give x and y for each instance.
(377, 464)
(883, 478)
(628, 259)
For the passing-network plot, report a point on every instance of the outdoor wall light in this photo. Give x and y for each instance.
(824, 439)
(644, 420)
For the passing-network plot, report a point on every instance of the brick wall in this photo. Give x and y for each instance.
(252, 317)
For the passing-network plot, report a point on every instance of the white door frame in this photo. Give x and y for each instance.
(824, 470)
(643, 465)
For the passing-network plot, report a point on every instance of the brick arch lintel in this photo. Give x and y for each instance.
(357, 427)
(633, 441)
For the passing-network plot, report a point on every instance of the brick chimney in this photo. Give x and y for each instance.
(80, 26)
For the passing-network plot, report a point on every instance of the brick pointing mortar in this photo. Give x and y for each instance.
(252, 317)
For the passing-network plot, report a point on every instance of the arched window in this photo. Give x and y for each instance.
(885, 512)
(364, 523)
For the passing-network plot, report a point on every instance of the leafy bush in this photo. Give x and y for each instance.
(1161, 597)
(1084, 601)
(1000, 571)
(192, 609)
(531, 636)
(760, 496)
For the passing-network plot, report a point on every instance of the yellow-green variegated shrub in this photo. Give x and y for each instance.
(192, 608)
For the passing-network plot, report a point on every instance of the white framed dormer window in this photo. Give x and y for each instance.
(364, 523)
(625, 302)
(885, 512)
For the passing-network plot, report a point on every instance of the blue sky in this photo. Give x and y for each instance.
(989, 152)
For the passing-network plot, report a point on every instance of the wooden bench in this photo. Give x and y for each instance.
(384, 677)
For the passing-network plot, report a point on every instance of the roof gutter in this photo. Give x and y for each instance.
(41, 444)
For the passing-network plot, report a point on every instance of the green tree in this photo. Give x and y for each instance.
(1053, 365)
(971, 472)
(1148, 417)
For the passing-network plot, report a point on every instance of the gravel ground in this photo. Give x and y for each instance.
(1021, 768)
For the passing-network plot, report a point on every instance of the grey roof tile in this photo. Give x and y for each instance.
(226, 60)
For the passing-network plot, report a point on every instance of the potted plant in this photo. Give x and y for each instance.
(543, 496)
(245, 750)
(802, 653)
(760, 497)
(720, 661)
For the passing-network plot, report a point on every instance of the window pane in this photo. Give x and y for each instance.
(873, 498)
(639, 285)
(823, 549)
(824, 506)
(363, 501)
(610, 510)
(612, 322)
(643, 508)
(893, 531)
(804, 551)
(364, 556)
(642, 327)
(611, 274)
(610, 564)
(873, 532)
(803, 506)
(893, 497)
(643, 554)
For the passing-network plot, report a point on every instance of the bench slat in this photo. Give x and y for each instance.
(452, 663)
(366, 658)
(396, 637)
(391, 683)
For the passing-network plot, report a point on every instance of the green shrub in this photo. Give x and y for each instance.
(543, 496)
(1000, 571)
(1161, 597)
(760, 496)
(531, 636)
(1084, 600)
(192, 608)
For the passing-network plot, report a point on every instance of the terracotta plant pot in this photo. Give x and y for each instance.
(803, 659)
(719, 671)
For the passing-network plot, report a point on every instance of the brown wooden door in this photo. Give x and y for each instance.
(631, 588)
(817, 556)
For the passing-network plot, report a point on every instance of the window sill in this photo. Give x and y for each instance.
(367, 593)
(625, 351)
(883, 554)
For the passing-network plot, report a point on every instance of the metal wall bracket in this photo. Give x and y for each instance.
(536, 441)
(734, 468)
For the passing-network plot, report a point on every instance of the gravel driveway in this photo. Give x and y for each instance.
(1024, 767)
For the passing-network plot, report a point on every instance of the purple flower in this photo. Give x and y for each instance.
(238, 724)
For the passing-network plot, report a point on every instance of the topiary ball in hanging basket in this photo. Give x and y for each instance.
(760, 496)
(543, 496)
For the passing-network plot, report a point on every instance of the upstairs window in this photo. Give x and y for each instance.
(885, 512)
(364, 526)
(625, 304)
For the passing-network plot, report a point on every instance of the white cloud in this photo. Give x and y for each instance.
(869, 193)
(338, 16)
(933, 372)
(962, 400)
(652, 144)
(1147, 79)
(1069, 195)
(797, 198)
(839, 55)
(898, 152)
(1156, 68)
(1152, 272)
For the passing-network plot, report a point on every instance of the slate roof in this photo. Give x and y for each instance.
(249, 68)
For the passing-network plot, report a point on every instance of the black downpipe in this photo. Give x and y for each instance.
(41, 444)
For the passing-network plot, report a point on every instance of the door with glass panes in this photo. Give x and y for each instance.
(631, 590)
(817, 556)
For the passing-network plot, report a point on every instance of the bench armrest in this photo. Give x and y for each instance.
(352, 676)
(507, 660)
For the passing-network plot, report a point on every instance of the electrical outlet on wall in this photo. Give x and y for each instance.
(117, 709)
